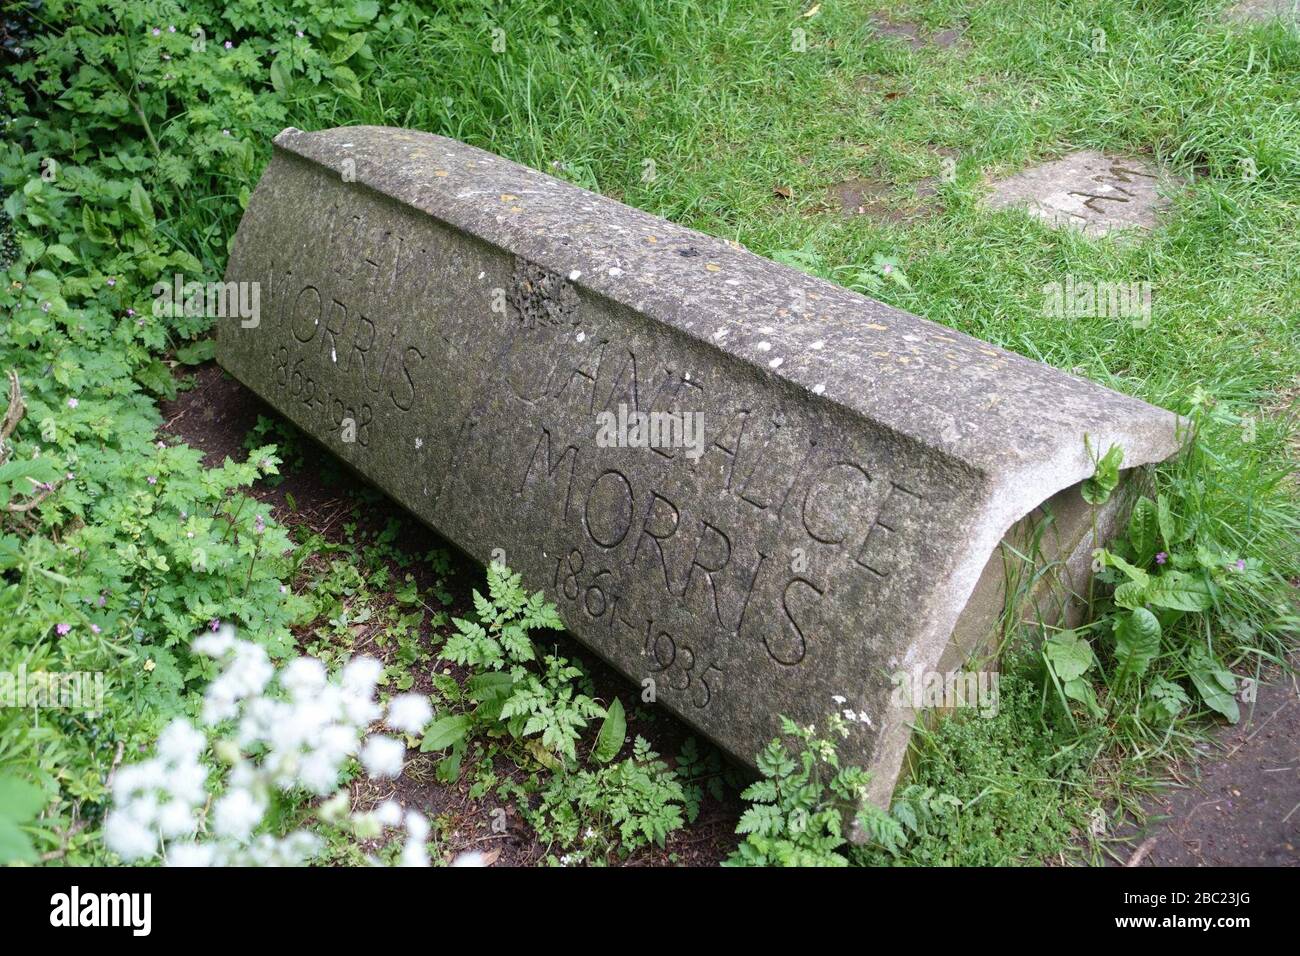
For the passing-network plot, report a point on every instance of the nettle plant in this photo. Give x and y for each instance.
(275, 736)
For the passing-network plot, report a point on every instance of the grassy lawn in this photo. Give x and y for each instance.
(751, 121)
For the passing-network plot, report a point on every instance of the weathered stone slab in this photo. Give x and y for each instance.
(453, 325)
(1265, 11)
(1089, 191)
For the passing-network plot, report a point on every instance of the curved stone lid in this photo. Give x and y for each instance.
(997, 411)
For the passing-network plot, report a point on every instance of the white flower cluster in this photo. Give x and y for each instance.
(852, 716)
(303, 724)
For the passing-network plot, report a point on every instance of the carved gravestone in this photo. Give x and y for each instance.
(828, 478)
(1089, 191)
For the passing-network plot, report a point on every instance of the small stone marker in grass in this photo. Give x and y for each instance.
(1266, 11)
(754, 492)
(1089, 191)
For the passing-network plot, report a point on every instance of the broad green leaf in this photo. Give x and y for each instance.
(62, 253)
(1215, 684)
(1170, 533)
(348, 48)
(1131, 595)
(15, 845)
(1137, 642)
(612, 734)
(140, 205)
(446, 731)
(1179, 591)
(1144, 531)
(1069, 655)
(280, 73)
(1097, 489)
(20, 800)
(1080, 690)
(1136, 575)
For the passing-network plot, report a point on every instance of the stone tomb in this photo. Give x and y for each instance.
(453, 325)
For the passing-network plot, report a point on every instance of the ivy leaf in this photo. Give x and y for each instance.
(612, 734)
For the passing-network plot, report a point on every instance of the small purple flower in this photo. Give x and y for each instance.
(157, 31)
(152, 480)
(171, 29)
(63, 629)
(229, 45)
(45, 307)
(284, 589)
(299, 33)
(130, 312)
(1161, 558)
(103, 599)
(69, 476)
(259, 524)
(112, 282)
(95, 628)
(1241, 564)
(73, 403)
(140, 322)
(214, 624)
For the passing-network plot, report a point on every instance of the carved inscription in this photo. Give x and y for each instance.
(469, 382)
